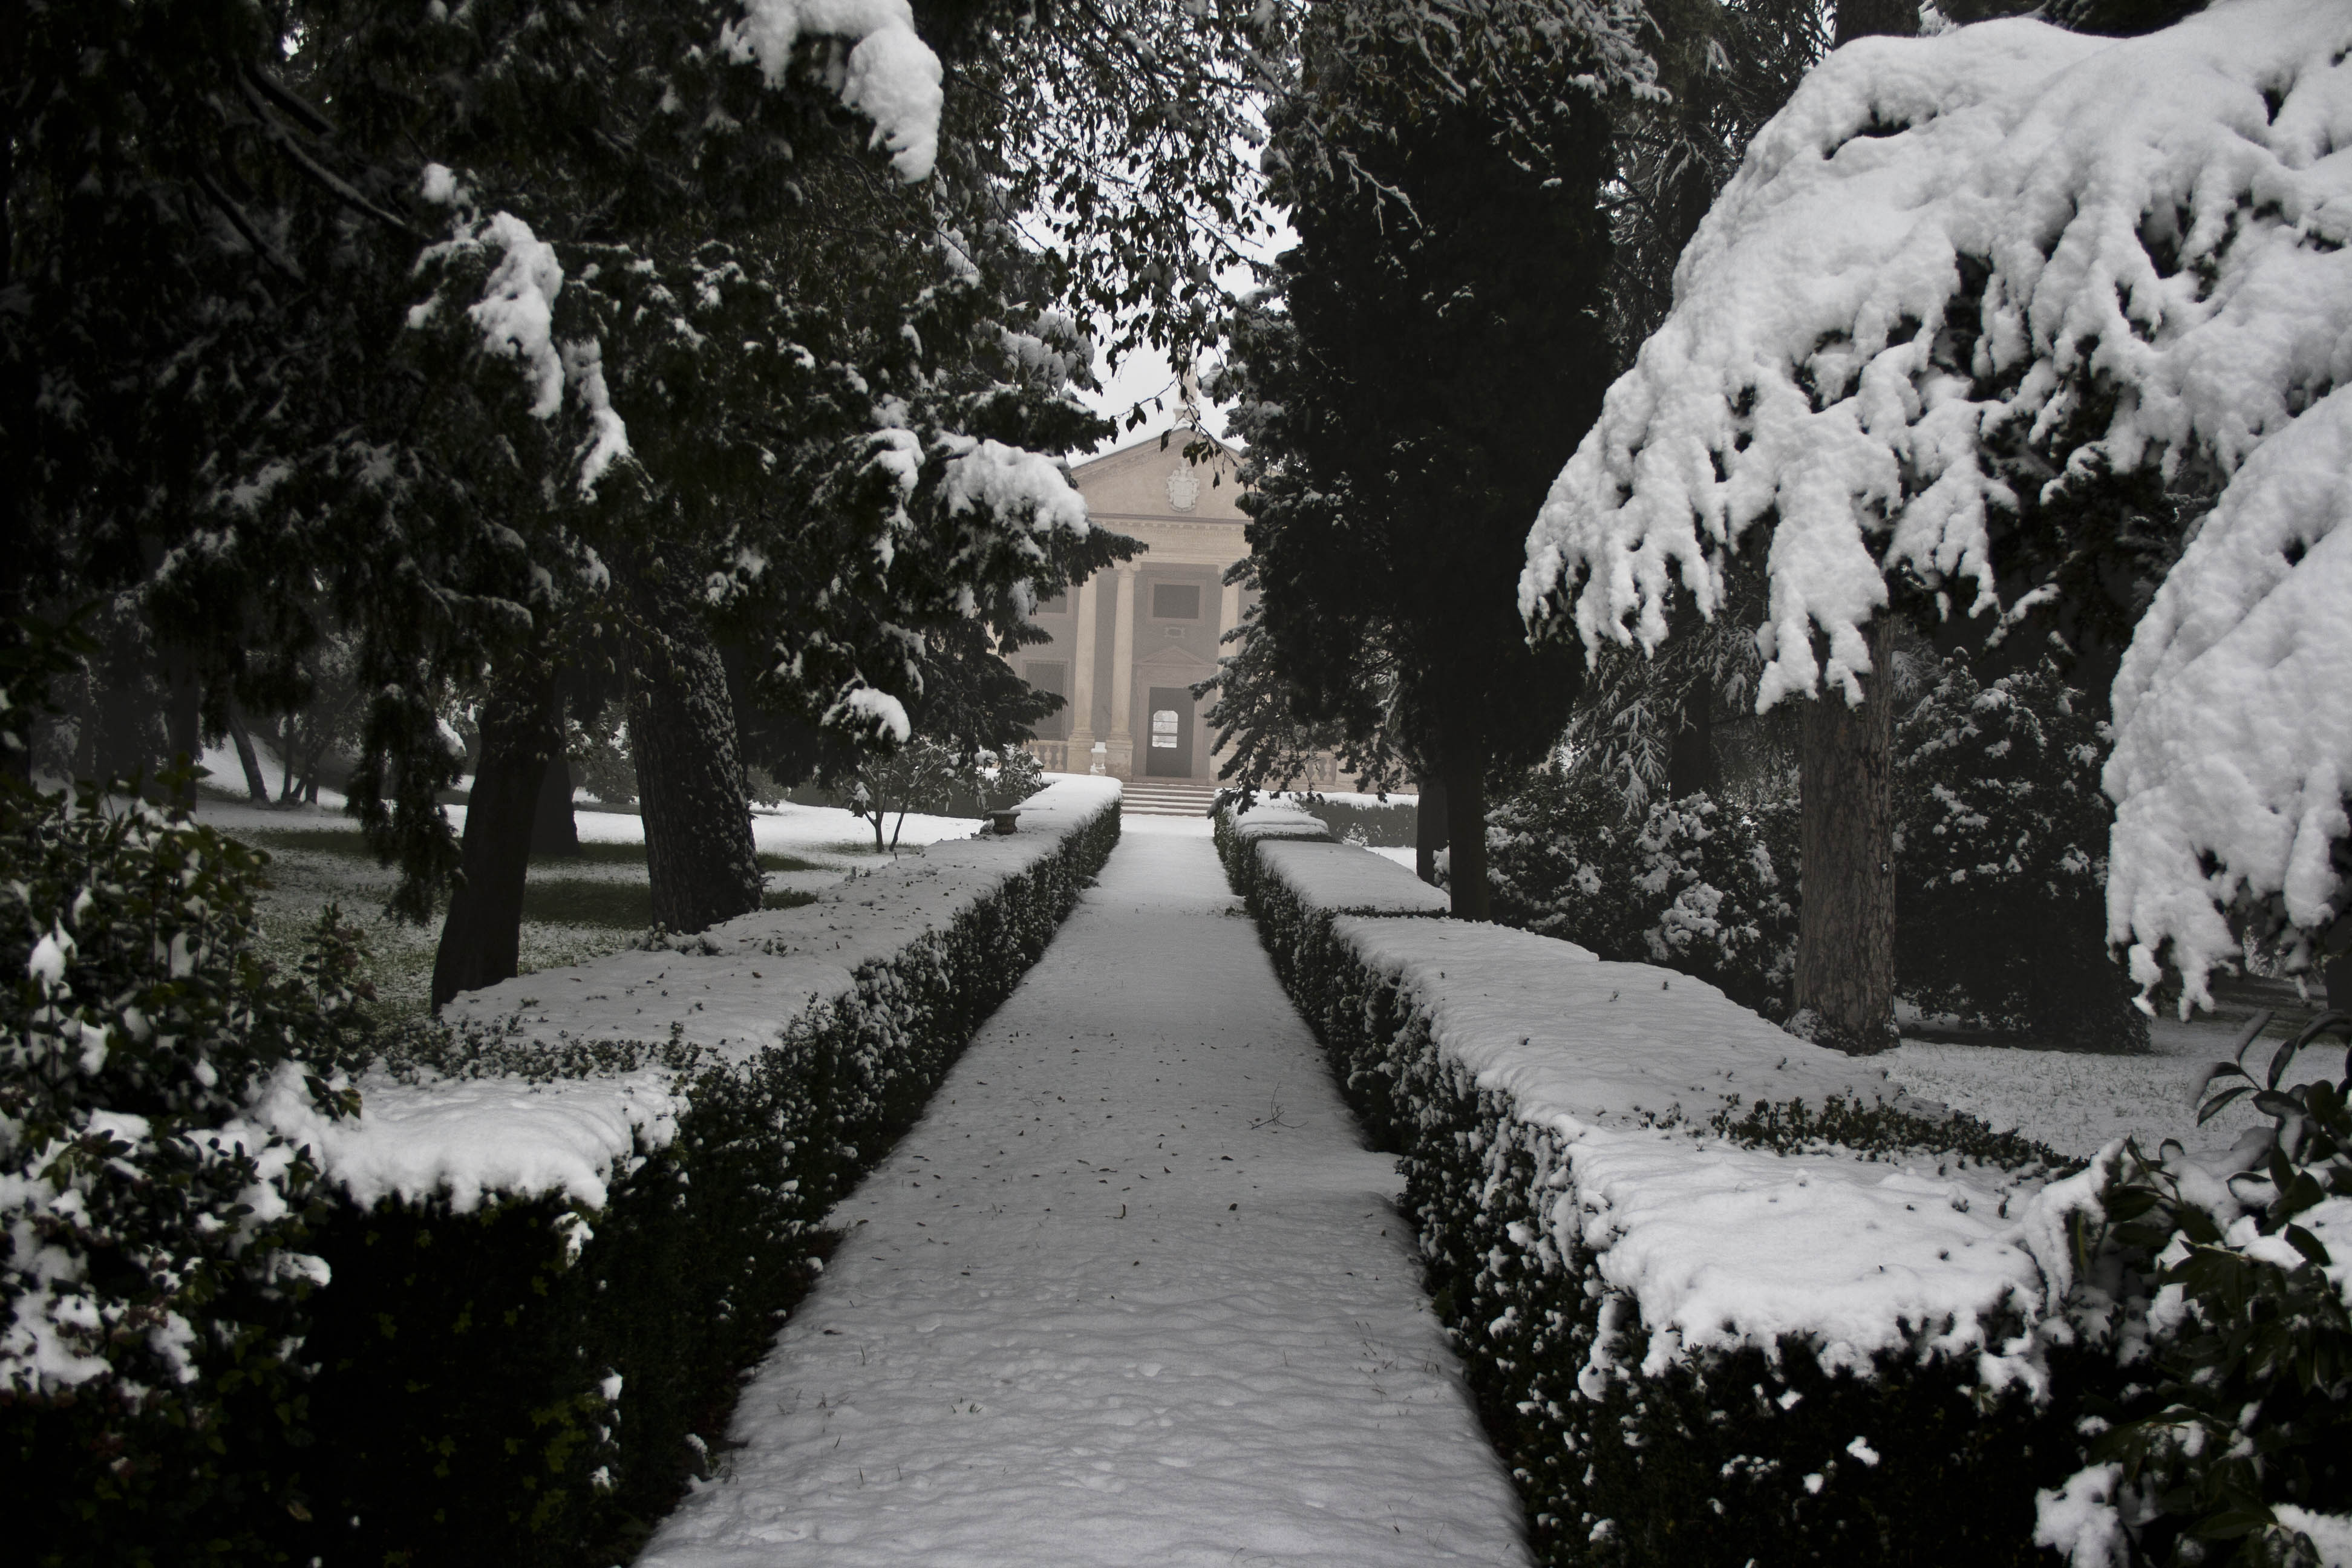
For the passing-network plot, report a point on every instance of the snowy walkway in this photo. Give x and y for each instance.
(1132, 1292)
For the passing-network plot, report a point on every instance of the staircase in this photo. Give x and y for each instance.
(1167, 798)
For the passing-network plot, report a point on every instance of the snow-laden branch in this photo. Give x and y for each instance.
(516, 319)
(1030, 489)
(2233, 710)
(1996, 235)
(893, 78)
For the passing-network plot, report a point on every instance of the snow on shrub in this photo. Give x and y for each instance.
(1723, 1299)
(155, 1268)
(2001, 858)
(1955, 266)
(1702, 888)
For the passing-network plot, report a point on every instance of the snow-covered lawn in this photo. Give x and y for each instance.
(2078, 1102)
(1133, 1292)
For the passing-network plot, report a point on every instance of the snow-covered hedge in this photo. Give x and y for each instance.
(1725, 1296)
(559, 1229)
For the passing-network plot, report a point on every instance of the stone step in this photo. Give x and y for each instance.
(1167, 798)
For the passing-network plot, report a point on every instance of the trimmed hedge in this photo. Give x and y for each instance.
(1725, 1458)
(534, 1380)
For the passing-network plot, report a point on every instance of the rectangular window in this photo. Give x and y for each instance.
(1051, 676)
(1175, 601)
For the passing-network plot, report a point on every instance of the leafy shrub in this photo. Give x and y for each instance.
(155, 1275)
(1388, 827)
(1007, 777)
(2001, 864)
(1701, 888)
(2234, 1442)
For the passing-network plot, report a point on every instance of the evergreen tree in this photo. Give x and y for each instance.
(1442, 308)
(2018, 463)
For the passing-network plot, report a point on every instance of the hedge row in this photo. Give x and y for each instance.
(531, 1375)
(1731, 1456)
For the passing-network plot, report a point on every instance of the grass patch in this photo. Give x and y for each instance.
(581, 901)
(789, 863)
(344, 841)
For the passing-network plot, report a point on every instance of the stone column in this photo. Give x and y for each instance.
(1229, 615)
(1122, 737)
(1082, 676)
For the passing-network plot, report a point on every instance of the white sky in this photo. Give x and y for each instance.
(1147, 374)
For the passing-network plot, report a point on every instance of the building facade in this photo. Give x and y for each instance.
(1128, 643)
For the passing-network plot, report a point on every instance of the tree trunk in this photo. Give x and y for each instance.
(1845, 920)
(482, 939)
(256, 788)
(1690, 756)
(553, 829)
(184, 723)
(1429, 829)
(289, 773)
(699, 852)
(1466, 832)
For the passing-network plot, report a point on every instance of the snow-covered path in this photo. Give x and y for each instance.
(1133, 1292)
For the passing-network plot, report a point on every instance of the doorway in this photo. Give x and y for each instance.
(1170, 733)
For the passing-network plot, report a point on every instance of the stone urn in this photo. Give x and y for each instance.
(1002, 821)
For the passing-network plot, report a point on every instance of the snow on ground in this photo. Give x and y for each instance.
(1132, 1292)
(2076, 1101)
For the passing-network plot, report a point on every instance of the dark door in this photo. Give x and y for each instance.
(1168, 729)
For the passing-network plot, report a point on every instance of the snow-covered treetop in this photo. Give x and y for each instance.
(1997, 235)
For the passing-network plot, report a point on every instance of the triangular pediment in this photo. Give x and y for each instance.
(1148, 480)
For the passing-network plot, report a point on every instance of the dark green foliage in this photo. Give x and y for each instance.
(1405, 385)
(1704, 1463)
(1361, 822)
(1876, 1130)
(157, 1275)
(1704, 889)
(2000, 859)
(2242, 1401)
